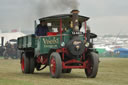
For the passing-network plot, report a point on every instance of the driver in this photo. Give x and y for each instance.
(41, 29)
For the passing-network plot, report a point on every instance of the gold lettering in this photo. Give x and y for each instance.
(44, 41)
(50, 46)
(53, 41)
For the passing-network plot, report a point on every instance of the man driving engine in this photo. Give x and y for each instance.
(41, 29)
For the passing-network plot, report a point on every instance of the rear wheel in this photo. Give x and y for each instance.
(55, 65)
(92, 65)
(25, 64)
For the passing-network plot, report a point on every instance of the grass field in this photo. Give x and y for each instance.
(112, 71)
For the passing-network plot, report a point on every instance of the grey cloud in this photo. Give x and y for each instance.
(106, 16)
(105, 7)
(22, 13)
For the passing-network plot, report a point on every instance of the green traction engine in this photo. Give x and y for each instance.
(68, 45)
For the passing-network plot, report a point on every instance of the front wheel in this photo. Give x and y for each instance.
(25, 65)
(55, 65)
(92, 65)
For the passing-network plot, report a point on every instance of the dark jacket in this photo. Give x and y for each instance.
(41, 30)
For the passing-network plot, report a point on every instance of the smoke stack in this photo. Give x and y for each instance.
(75, 20)
(2, 41)
(75, 11)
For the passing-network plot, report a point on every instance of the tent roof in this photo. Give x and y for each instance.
(9, 36)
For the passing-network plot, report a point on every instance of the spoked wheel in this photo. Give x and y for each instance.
(92, 65)
(55, 65)
(27, 64)
(66, 70)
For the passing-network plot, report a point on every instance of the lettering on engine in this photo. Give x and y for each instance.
(54, 40)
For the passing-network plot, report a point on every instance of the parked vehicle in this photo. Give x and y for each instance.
(2, 48)
(11, 50)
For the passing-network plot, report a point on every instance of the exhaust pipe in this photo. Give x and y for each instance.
(75, 20)
(2, 41)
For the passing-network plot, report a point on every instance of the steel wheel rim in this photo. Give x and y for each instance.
(53, 65)
(22, 64)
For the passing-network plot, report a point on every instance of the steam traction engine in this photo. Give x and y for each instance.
(63, 49)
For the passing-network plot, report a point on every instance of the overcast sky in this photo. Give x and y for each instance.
(106, 16)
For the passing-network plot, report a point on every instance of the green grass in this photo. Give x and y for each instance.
(112, 71)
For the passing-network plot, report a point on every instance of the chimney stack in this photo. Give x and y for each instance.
(75, 20)
(2, 41)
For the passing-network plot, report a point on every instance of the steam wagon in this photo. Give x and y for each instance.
(64, 47)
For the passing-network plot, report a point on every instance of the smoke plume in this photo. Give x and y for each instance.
(20, 14)
(44, 7)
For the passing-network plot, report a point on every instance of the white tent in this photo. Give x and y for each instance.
(9, 36)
